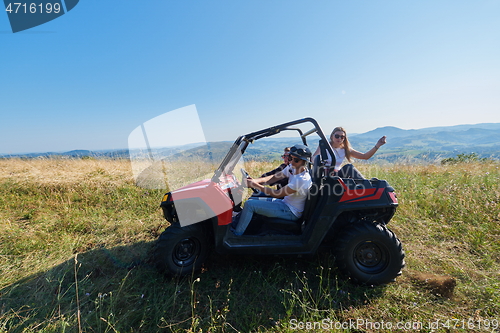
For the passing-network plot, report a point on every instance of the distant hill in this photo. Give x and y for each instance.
(389, 131)
(115, 153)
(426, 143)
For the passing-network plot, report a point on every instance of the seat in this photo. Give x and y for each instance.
(317, 173)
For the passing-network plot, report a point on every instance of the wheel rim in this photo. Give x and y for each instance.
(186, 252)
(370, 257)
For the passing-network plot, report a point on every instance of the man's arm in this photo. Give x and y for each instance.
(284, 191)
(275, 171)
(270, 179)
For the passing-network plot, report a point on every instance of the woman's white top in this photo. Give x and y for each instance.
(339, 157)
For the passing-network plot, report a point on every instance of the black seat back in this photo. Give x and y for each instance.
(317, 173)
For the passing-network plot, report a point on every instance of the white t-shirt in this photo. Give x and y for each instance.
(299, 183)
(339, 157)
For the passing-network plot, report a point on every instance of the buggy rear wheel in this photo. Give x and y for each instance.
(369, 253)
(180, 250)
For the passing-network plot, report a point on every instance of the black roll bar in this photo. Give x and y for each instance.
(251, 137)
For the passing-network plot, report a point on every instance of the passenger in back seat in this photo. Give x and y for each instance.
(294, 194)
(286, 161)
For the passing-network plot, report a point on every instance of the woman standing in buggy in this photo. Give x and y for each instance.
(343, 150)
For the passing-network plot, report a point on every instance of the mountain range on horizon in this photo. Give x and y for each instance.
(398, 132)
(444, 141)
(433, 142)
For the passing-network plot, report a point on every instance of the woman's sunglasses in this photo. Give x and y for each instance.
(296, 160)
(337, 136)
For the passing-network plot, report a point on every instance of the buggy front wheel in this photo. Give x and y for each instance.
(180, 250)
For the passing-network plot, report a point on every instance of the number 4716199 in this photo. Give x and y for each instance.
(33, 8)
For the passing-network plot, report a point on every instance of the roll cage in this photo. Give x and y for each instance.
(240, 145)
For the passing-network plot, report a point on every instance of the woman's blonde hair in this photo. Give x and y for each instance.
(346, 145)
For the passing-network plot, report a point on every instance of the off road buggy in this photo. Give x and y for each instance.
(349, 215)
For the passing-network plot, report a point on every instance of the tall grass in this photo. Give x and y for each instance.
(76, 235)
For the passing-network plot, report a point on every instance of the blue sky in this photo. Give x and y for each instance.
(87, 79)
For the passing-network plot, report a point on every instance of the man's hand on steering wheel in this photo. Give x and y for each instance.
(246, 179)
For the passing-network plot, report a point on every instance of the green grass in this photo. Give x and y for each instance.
(76, 235)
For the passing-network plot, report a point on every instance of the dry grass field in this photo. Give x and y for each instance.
(76, 234)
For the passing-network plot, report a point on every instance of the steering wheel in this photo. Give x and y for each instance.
(246, 176)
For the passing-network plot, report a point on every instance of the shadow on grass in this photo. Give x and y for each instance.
(118, 290)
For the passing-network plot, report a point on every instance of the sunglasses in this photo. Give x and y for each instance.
(337, 136)
(286, 156)
(296, 160)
